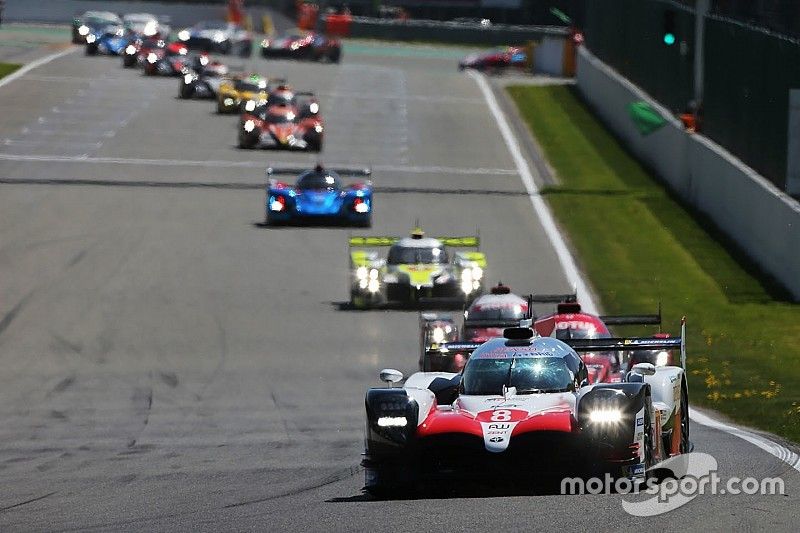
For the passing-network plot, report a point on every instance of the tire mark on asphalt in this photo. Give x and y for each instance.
(142, 400)
(244, 186)
(12, 314)
(335, 477)
(62, 385)
(26, 502)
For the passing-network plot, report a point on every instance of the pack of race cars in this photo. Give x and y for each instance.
(273, 114)
(501, 392)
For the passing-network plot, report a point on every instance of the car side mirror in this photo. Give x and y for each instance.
(390, 375)
(645, 369)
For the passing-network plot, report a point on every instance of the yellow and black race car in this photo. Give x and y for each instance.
(235, 92)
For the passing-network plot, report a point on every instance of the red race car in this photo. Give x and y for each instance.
(496, 61)
(311, 46)
(485, 319)
(285, 120)
(171, 60)
(570, 322)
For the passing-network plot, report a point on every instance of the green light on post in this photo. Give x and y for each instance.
(669, 39)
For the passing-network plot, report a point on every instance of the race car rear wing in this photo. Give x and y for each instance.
(376, 241)
(294, 171)
(568, 303)
(623, 344)
(491, 323)
(460, 347)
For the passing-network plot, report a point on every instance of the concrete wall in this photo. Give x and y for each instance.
(450, 32)
(761, 219)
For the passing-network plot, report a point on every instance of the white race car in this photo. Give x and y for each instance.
(523, 411)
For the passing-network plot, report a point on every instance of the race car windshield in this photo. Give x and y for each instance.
(279, 118)
(318, 181)
(403, 256)
(565, 334)
(507, 312)
(529, 375)
(250, 85)
(97, 22)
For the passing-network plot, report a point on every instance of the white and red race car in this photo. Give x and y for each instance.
(523, 411)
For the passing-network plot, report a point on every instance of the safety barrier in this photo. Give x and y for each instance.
(761, 219)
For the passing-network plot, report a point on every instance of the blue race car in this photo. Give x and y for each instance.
(319, 197)
(110, 40)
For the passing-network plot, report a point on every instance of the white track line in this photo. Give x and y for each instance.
(773, 448)
(541, 209)
(574, 275)
(33, 64)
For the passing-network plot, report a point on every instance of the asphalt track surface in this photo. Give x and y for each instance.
(167, 364)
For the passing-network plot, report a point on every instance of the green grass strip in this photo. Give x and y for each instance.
(640, 246)
(7, 68)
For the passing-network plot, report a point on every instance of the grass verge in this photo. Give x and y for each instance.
(639, 245)
(7, 68)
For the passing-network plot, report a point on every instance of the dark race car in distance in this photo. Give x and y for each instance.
(311, 46)
(218, 36)
(137, 50)
(172, 60)
(319, 196)
(203, 81)
(496, 61)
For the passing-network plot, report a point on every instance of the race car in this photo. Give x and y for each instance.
(522, 411)
(319, 196)
(297, 127)
(107, 40)
(171, 60)
(486, 318)
(203, 81)
(137, 50)
(569, 322)
(496, 61)
(146, 25)
(311, 46)
(218, 36)
(90, 22)
(417, 271)
(234, 92)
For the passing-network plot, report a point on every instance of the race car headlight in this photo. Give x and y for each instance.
(188, 78)
(184, 35)
(130, 49)
(90, 39)
(477, 272)
(662, 359)
(265, 43)
(437, 335)
(314, 108)
(362, 272)
(605, 416)
(373, 285)
(466, 275)
(249, 126)
(228, 101)
(250, 105)
(151, 28)
(392, 421)
(318, 128)
(373, 273)
(219, 37)
(83, 30)
(152, 57)
(277, 204)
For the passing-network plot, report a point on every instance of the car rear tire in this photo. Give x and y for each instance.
(187, 91)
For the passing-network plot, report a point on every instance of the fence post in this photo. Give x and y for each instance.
(701, 8)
